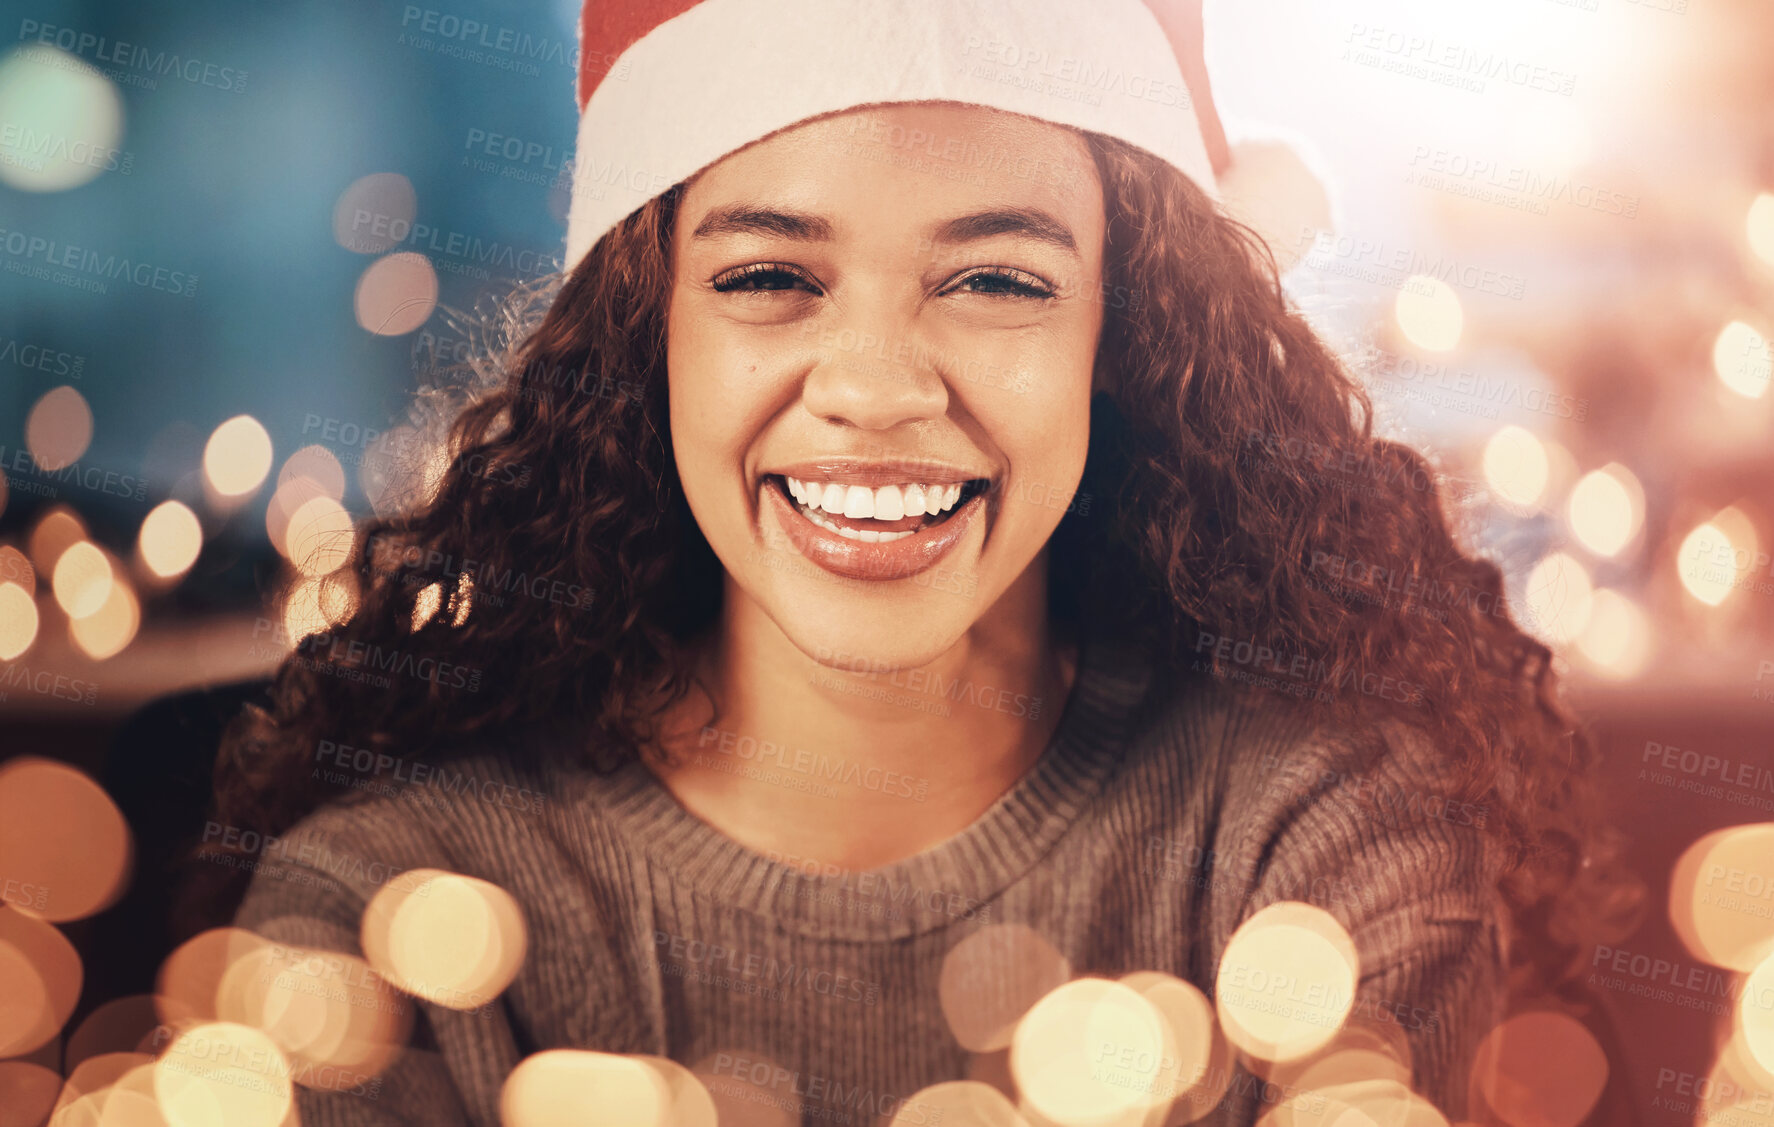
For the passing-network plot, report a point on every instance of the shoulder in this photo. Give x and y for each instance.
(482, 810)
(1291, 798)
(1262, 747)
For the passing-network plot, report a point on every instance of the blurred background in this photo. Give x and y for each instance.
(231, 238)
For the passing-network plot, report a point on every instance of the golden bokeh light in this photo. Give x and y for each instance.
(1540, 1069)
(40, 977)
(562, 1087)
(170, 539)
(237, 458)
(1286, 981)
(991, 978)
(223, 1075)
(426, 604)
(107, 631)
(86, 1111)
(190, 979)
(90, 1084)
(289, 496)
(335, 1018)
(462, 598)
(1606, 509)
(1758, 226)
(54, 533)
(131, 1103)
(966, 1102)
(129, 1024)
(1362, 1053)
(688, 1100)
(1736, 1092)
(1617, 639)
(62, 837)
(1740, 530)
(1090, 1050)
(1364, 1103)
(315, 606)
(1742, 359)
(1719, 893)
(453, 940)
(27, 1093)
(375, 212)
(15, 567)
(18, 620)
(82, 579)
(1429, 313)
(396, 294)
(319, 536)
(1703, 563)
(59, 428)
(1558, 598)
(1196, 1068)
(1517, 468)
(50, 94)
(1755, 1016)
(320, 466)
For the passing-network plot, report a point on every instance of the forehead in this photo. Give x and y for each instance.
(916, 161)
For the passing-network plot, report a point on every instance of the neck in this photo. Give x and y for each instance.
(857, 767)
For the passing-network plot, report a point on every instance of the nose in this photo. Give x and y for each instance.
(873, 379)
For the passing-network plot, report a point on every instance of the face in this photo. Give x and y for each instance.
(882, 335)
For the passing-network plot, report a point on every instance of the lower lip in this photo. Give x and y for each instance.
(856, 559)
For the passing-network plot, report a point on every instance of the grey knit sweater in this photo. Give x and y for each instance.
(1164, 811)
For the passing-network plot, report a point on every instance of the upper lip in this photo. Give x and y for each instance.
(876, 472)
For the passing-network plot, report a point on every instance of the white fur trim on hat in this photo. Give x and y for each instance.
(729, 72)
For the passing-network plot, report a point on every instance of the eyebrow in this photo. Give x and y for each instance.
(1029, 222)
(744, 219)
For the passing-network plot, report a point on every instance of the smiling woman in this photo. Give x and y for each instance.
(961, 714)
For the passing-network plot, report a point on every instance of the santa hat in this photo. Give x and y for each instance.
(668, 87)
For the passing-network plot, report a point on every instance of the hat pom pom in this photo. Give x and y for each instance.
(1272, 185)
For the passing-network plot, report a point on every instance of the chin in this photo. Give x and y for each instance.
(871, 644)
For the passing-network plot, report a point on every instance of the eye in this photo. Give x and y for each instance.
(1002, 281)
(764, 276)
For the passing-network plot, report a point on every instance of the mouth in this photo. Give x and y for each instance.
(883, 531)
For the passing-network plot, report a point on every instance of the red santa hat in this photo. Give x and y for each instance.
(668, 87)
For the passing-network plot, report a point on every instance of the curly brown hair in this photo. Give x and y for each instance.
(1236, 476)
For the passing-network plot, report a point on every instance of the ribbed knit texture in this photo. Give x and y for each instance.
(1165, 810)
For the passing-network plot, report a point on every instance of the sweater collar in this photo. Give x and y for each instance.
(950, 881)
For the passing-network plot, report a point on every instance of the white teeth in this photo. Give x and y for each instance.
(866, 535)
(937, 498)
(889, 503)
(859, 502)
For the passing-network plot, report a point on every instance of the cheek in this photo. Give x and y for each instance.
(1045, 436)
(694, 392)
(1050, 398)
(701, 365)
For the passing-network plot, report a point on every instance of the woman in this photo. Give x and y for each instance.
(943, 567)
